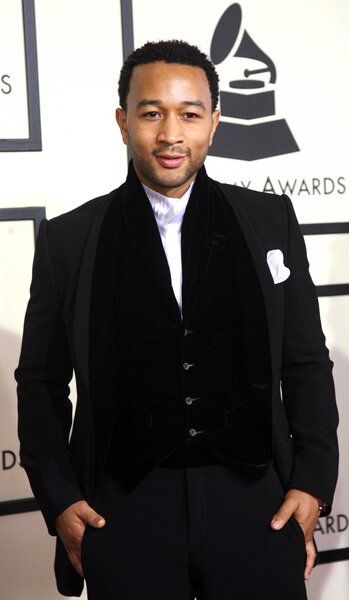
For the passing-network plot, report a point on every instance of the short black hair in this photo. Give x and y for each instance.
(168, 51)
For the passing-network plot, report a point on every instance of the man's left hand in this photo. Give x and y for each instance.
(305, 508)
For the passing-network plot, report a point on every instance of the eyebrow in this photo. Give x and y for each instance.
(158, 102)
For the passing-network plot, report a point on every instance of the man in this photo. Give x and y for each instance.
(181, 304)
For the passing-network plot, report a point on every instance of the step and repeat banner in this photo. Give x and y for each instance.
(284, 129)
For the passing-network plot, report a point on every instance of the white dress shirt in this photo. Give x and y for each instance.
(169, 213)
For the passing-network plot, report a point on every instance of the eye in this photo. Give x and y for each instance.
(190, 116)
(152, 114)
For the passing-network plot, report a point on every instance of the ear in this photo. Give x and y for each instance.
(121, 119)
(215, 120)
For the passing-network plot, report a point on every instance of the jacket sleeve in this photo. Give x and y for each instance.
(43, 376)
(307, 384)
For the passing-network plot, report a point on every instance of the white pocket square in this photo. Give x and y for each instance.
(275, 260)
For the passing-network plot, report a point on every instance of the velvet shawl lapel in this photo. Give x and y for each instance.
(142, 226)
(196, 243)
(267, 309)
(230, 228)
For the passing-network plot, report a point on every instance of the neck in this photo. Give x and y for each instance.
(170, 192)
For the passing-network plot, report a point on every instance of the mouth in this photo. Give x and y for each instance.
(170, 161)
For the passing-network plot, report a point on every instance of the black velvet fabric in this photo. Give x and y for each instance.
(139, 342)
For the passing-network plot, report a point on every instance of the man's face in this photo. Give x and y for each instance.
(169, 124)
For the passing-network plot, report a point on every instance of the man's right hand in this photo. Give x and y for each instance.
(71, 525)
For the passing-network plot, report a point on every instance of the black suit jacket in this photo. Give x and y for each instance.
(62, 467)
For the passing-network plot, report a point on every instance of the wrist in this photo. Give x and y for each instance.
(322, 505)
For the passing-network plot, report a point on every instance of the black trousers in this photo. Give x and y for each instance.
(199, 532)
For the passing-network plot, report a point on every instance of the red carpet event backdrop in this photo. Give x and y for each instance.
(284, 129)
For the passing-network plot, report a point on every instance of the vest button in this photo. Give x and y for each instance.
(186, 366)
(189, 400)
(194, 432)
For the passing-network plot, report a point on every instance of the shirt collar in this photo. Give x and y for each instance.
(166, 209)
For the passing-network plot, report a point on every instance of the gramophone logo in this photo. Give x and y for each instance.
(249, 128)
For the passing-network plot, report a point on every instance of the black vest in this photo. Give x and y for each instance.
(183, 389)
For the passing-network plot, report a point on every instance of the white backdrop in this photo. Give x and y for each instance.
(79, 57)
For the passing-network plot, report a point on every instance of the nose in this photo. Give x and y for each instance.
(170, 130)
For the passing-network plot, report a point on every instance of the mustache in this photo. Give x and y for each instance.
(178, 150)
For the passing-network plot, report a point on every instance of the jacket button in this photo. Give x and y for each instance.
(186, 366)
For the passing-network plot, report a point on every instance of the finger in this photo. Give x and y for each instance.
(92, 518)
(286, 510)
(311, 555)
